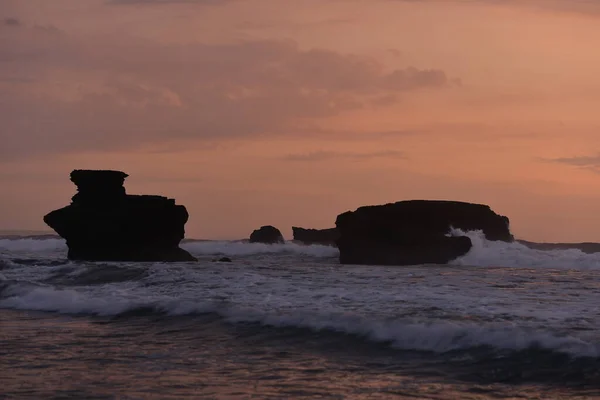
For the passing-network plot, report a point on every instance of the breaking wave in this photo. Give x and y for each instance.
(516, 255)
(432, 336)
(484, 253)
(235, 248)
(30, 245)
(208, 247)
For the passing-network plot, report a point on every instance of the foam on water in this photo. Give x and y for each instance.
(502, 295)
(230, 248)
(487, 253)
(246, 249)
(28, 245)
(484, 253)
(438, 336)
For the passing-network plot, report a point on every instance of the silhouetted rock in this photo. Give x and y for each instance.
(326, 237)
(222, 259)
(103, 223)
(97, 187)
(414, 232)
(266, 234)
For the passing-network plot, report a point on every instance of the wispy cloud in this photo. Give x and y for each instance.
(589, 163)
(329, 155)
(168, 2)
(121, 92)
(590, 7)
(293, 25)
(11, 22)
(579, 161)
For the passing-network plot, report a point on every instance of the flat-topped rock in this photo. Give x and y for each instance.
(90, 177)
(98, 186)
(414, 232)
(103, 223)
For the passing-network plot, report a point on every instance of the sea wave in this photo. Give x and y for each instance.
(236, 248)
(407, 334)
(30, 245)
(488, 253)
(484, 253)
(199, 248)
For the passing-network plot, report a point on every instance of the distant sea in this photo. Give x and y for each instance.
(288, 322)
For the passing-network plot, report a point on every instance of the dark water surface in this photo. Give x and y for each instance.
(159, 357)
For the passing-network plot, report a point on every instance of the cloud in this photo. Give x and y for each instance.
(290, 24)
(590, 7)
(577, 6)
(347, 134)
(60, 93)
(11, 22)
(579, 161)
(412, 78)
(330, 155)
(168, 2)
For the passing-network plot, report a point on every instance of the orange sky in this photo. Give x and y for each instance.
(254, 112)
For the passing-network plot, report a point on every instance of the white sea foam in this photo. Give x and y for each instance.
(28, 245)
(501, 254)
(246, 249)
(432, 336)
(435, 336)
(484, 253)
(544, 298)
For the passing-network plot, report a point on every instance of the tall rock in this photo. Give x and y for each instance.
(104, 223)
(414, 232)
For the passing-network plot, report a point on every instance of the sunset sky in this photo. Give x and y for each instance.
(255, 112)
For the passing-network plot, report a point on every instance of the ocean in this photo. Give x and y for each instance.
(289, 322)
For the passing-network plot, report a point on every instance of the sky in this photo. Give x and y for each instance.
(256, 112)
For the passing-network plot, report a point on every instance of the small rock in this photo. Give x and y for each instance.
(266, 234)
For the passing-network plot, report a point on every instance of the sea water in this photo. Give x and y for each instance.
(287, 321)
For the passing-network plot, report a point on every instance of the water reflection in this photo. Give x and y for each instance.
(51, 356)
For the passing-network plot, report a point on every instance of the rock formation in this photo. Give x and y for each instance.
(266, 234)
(103, 223)
(414, 232)
(326, 237)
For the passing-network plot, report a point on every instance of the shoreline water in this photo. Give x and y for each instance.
(586, 247)
(145, 356)
(288, 321)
